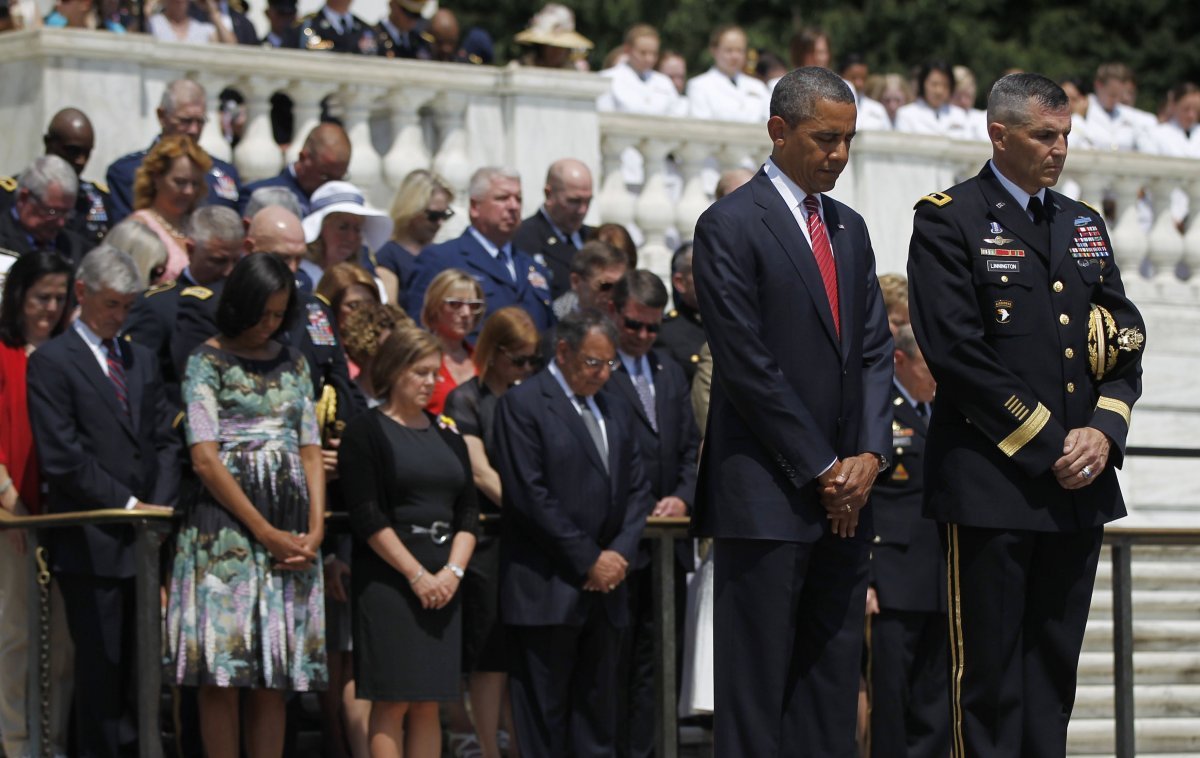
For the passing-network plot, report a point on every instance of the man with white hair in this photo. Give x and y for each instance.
(102, 426)
(486, 250)
(45, 200)
(182, 110)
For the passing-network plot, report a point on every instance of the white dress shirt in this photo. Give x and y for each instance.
(918, 118)
(793, 196)
(94, 343)
(557, 373)
(713, 95)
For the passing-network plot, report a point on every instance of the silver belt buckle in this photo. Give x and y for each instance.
(438, 531)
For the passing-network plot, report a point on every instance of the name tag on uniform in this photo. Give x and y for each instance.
(1008, 267)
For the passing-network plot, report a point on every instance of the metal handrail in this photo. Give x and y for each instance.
(662, 531)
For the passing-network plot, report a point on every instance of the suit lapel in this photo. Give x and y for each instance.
(782, 224)
(484, 261)
(1013, 218)
(566, 411)
(624, 383)
(133, 387)
(614, 443)
(85, 361)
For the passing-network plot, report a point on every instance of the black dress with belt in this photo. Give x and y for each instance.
(399, 477)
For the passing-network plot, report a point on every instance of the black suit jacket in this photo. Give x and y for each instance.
(536, 237)
(92, 454)
(561, 508)
(908, 568)
(788, 396)
(1001, 311)
(668, 455)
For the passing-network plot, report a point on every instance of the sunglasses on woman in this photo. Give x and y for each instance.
(521, 361)
(475, 305)
(438, 217)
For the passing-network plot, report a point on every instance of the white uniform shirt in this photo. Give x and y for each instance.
(918, 118)
(977, 124)
(653, 95)
(1118, 130)
(712, 95)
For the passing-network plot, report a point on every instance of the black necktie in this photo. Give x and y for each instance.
(1036, 209)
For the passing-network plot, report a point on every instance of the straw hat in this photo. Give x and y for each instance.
(344, 197)
(554, 25)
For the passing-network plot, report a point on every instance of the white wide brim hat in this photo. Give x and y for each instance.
(344, 197)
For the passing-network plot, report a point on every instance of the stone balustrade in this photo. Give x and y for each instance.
(403, 115)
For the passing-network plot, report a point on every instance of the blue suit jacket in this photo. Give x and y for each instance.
(531, 291)
(788, 396)
(224, 184)
(94, 455)
(283, 179)
(561, 508)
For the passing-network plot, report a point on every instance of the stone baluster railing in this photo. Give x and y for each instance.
(1191, 238)
(655, 211)
(306, 113)
(257, 156)
(452, 160)
(408, 151)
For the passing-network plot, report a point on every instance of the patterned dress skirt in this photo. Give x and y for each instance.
(232, 619)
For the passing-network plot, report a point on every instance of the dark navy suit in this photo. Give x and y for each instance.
(562, 508)
(94, 455)
(531, 290)
(285, 179)
(224, 184)
(908, 637)
(788, 397)
(537, 237)
(669, 457)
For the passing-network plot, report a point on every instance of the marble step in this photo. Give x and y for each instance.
(1149, 667)
(1155, 736)
(1168, 701)
(1153, 575)
(1151, 635)
(1151, 604)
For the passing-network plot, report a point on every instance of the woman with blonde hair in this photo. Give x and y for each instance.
(341, 226)
(505, 354)
(142, 244)
(453, 308)
(421, 206)
(167, 187)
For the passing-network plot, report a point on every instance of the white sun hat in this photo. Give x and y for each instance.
(344, 197)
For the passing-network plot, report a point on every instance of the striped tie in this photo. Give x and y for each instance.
(824, 255)
(116, 373)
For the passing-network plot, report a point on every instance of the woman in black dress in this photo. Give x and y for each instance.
(406, 479)
(506, 353)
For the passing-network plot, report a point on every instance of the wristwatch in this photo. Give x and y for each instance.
(456, 569)
(883, 463)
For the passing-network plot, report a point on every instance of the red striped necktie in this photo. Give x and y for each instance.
(823, 252)
(116, 373)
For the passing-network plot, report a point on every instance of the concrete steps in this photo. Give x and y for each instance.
(1166, 660)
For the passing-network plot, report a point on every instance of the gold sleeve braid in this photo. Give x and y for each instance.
(1029, 429)
(1115, 406)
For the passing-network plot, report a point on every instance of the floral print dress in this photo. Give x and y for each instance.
(232, 620)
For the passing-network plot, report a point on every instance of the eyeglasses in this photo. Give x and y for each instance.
(521, 361)
(63, 214)
(438, 217)
(476, 306)
(605, 286)
(596, 363)
(637, 326)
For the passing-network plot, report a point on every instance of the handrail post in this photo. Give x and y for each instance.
(37, 708)
(149, 640)
(666, 730)
(1122, 590)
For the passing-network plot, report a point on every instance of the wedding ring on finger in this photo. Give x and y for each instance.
(847, 508)
(1086, 473)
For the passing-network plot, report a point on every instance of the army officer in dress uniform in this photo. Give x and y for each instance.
(404, 32)
(70, 137)
(906, 664)
(1019, 310)
(681, 335)
(335, 28)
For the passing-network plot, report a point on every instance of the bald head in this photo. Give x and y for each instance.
(444, 28)
(732, 179)
(70, 137)
(568, 194)
(277, 230)
(324, 157)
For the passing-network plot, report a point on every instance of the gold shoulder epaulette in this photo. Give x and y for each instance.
(323, 299)
(165, 286)
(937, 198)
(198, 292)
(8, 183)
(1091, 207)
(427, 37)
(673, 313)
(102, 186)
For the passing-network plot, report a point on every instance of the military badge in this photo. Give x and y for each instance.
(899, 474)
(998, 241)
(536, 280)
(225, 187)
(1003, 311)
(320, 331)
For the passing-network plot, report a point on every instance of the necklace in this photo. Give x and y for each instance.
(171, 228)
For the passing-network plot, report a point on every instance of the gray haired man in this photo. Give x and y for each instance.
(45, 201)
(102, 427)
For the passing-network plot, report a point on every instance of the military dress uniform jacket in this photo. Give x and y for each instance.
(285, 179)
(908, 568)
(224, 184)
(14, 238)
(1001, 309)
(682, 338)
(317, 33)
(91, 208)
(537, 237)
(151, 323)
(416, 44)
